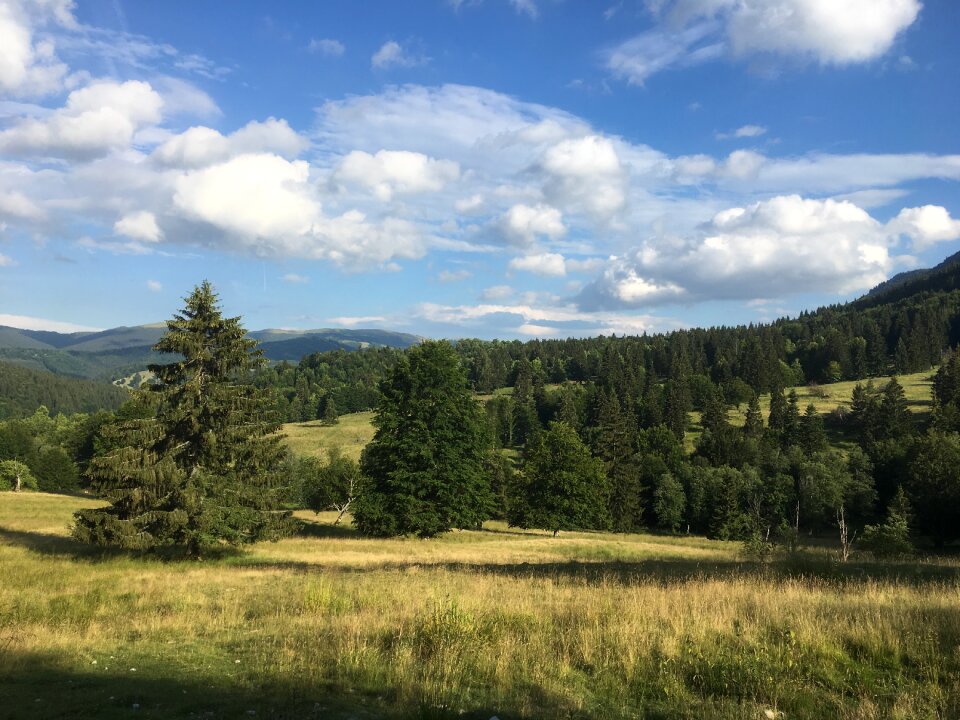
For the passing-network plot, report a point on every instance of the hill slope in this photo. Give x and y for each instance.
(23, 390)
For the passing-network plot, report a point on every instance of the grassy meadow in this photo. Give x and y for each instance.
(473, 624)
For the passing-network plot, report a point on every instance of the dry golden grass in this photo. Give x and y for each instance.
(472, 624)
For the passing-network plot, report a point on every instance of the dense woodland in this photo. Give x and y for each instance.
(23, 390)
(591, 433)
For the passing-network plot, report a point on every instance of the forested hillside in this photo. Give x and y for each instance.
(23, 390)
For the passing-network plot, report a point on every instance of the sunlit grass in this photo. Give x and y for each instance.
(472, 624)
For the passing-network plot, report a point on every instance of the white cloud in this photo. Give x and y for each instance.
(154, 285)
(25, 322)
(6, 261)
(354, 321)
(29, 66)
(497, 293)
(838, 32)
(14, 204)
(469, 205)
(829, 32)
(95, 120)
(586, 172)
(392, 54)
(537, 330)
(327, 46)
(768, 249)
(925, 225)
(396, 171)
(295, 279)
(550, 264)
(256, 196)
(140, 225)
(522, 224)
(201, 146)
(183, 98)
(745, 131)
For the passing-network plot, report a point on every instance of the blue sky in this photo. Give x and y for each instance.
(489, 168)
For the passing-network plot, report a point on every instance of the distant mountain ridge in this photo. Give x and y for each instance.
(944, 277)
(123, 350)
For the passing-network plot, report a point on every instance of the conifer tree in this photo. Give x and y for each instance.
(777, 419)
(615, 444)
(812, 437)
(202, 463)
(753, 427)
(424, 467)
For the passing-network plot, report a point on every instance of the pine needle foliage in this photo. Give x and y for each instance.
(200, 463)
(425, 467)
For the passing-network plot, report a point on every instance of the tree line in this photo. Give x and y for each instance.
(194, 461)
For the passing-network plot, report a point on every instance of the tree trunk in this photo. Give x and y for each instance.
(17, 483)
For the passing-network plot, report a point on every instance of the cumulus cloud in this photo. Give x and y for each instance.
(689, 32)
(586, 172)
(925, 226)
(767, 249)
(96, 119)
(522, 224)
(200, 146)
(16, 205)
(140, 225)
(6, 261)
(550, 264)
(29, 65)
(265, 205)
(295, 279)
(154, 285)
(396, 171)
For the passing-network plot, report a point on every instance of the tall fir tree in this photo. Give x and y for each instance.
(424, 467)
(753, 427)
(615, 443)
(202, 464)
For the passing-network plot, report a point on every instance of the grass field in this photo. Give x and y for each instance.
(354, 431)
(517, 624)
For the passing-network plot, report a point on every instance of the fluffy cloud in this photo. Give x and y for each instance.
(586, 172)
(265, 205)
(690, 32)
(16, 205)
(201, 146)
(522, 224)
(295, 279)
(140, 225)
(745, 131)
(396, 171)
(551, 264)
(253, 196)
(154, 285)
(95, 120)
(29, 66)
(767, 249)
(6, 261)
(925, 225)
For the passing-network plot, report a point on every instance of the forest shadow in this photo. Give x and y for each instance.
(316, 529)
(39, 687)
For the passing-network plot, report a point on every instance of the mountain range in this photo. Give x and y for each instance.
(120, 351)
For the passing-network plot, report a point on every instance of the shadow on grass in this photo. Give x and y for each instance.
(40, 687)
(317, 529)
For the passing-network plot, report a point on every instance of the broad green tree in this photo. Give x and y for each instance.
(563, 486)
(424, 469)
(202, 464)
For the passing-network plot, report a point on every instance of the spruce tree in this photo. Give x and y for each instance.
(615, 443)
(753, 427)
(202, 463)
(424, 468)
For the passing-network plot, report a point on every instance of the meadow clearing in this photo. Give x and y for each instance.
(472, 624)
